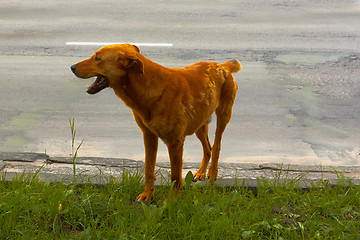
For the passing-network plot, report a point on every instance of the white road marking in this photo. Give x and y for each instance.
(109, 43)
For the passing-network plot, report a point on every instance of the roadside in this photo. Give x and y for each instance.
(100, 170)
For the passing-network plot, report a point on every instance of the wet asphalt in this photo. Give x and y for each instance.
(298, 102)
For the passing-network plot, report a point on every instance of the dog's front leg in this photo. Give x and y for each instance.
(151, 146)
(176, 161)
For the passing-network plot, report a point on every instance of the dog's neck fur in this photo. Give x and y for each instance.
(135, 92)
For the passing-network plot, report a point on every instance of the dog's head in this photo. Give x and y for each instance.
(110, 65)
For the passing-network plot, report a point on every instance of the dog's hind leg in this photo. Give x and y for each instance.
(151, 147)
(202, 135)
(223, 115)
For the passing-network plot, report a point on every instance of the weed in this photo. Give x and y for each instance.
(73, 150)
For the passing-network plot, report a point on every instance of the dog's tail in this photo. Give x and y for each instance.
(233, 65)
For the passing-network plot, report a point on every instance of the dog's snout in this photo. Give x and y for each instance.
(73, 68)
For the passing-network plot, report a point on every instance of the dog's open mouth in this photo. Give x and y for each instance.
(100, 83)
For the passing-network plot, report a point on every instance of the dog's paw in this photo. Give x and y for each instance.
(212, 176)
(199, 176)
(143, 198)
(212, 179)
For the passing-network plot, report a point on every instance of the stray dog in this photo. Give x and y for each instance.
(167, 103)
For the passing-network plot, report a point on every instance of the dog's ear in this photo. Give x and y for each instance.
(136, 48)
(133, 62)
(136, 64)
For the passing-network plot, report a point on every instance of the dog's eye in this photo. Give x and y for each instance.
(97, 59)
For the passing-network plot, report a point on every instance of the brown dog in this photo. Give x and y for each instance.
(167, 103)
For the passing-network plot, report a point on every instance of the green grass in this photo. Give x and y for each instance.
(32, 209)
(74, 151)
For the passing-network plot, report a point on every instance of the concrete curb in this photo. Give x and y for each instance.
(101, 170)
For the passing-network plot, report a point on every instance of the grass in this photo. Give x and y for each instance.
(32, 209)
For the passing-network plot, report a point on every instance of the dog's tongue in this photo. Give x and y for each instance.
(92, 85)
(99, 84)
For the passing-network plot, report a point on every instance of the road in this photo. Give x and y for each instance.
(298, 100)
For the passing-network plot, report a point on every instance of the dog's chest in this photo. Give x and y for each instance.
(167, 128)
